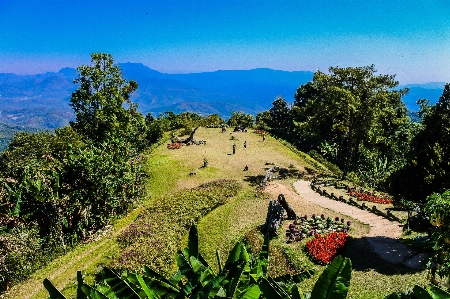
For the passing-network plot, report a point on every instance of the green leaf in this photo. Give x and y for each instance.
(193, 242)
(150, 293)
(297, 293)
(252, 292)
(118, 285)
(264, 256)
(196, 265)
(421, 293)
(176, 277)
(437, 293)
(186, 289)
(234, 276)
(162, 281)
(238, 253)
(212, 287)
(101, 292)
(184, 265)
(334, 281)
(269, 290)
(80, 293)
(52, 291)
(219, 262)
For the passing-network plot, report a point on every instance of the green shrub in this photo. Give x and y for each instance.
(63, 190)
(21, 254)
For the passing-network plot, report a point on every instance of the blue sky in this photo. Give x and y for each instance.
(408, 38)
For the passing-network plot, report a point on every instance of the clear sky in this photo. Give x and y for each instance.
(404, 37)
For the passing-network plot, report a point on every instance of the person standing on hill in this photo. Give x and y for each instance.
(234, 149)
(245, 144)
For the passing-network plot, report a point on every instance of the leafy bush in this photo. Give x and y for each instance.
(64, 188)
(21, 254)
(437, 209)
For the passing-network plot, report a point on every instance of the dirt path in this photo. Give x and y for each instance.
(382, 237)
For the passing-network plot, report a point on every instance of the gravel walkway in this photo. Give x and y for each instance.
(383, 235)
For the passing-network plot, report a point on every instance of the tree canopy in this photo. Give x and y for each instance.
(428, 167)
(239, 118)
(102, 102)
(352, 109)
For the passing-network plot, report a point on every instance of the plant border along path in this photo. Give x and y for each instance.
(383, 235)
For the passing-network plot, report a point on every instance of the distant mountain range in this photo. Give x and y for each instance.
(431, 91)
(42, 100)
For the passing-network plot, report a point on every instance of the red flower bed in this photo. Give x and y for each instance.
(325, 248)
(174, 145)
(370, 198)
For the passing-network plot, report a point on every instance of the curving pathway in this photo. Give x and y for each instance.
(383, 235)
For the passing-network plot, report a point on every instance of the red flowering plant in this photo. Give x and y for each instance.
(260, 132)
(174, 145)
(370, 198)
(323, 248)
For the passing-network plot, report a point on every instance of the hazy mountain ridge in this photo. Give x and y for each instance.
(431, 91)
(42, 100)
(220, 92)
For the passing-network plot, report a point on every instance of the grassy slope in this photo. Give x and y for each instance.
(169, 171)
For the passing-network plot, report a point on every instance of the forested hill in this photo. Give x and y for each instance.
(7, 132)
(46, 96)
(42, 100)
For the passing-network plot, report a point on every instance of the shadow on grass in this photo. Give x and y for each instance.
(254, 180)
(365, 259)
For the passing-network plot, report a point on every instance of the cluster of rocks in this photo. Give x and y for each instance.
(278, 210)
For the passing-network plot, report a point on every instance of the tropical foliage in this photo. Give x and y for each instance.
(437, 209)
(241, 276)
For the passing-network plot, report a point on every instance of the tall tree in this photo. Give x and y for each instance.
(102, 102)
(352, 108)
(428, 169)
(280, 118)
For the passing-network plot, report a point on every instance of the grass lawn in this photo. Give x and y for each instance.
(240, 216)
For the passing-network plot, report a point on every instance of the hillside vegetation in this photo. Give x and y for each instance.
(239, 216)
(111, 190)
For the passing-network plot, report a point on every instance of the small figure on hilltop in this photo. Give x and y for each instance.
(234, 149)
(264, 136)
(246, 168)
(245, 144)
(223, 129)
